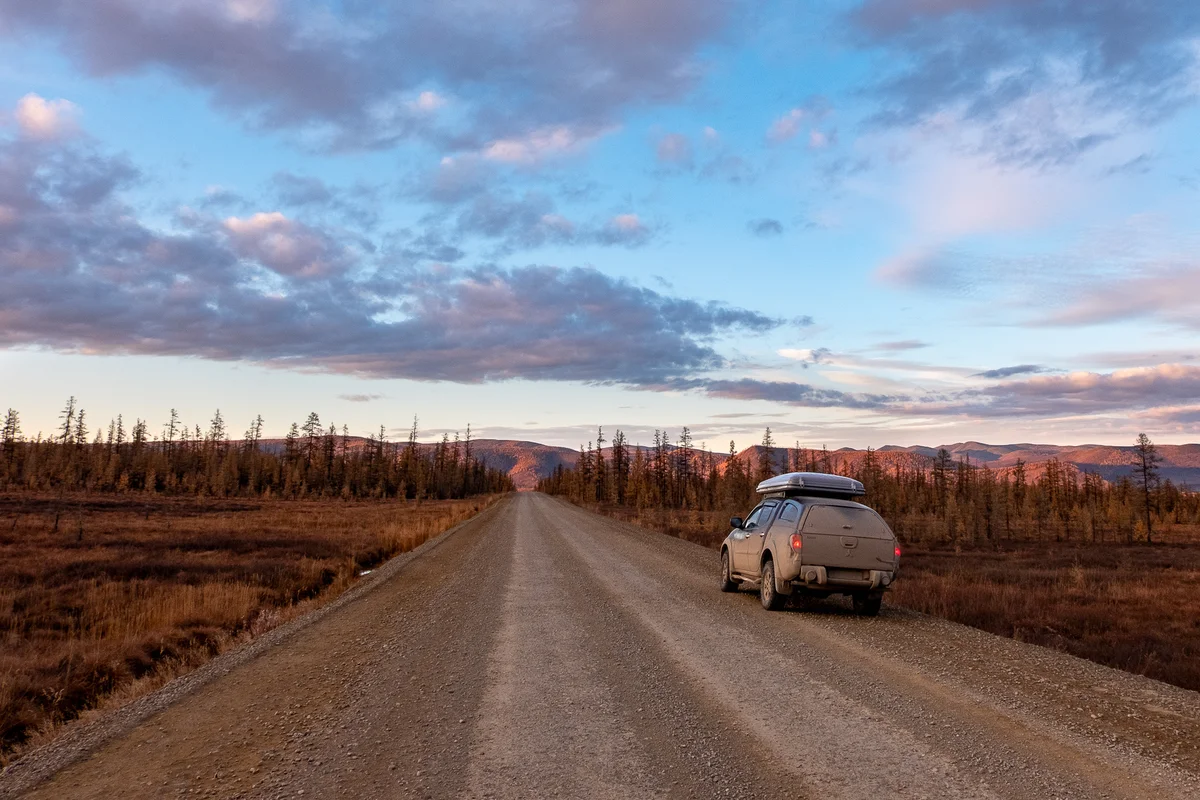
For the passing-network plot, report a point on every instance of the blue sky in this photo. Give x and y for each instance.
(861, 223)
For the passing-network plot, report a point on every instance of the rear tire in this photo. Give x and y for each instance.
(728, 584)
(867, 605)
(771, 599)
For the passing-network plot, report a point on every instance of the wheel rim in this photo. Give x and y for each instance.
(725, 568)
(768, 585)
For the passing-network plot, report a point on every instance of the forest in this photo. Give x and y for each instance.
(313, 461)
(924, 500)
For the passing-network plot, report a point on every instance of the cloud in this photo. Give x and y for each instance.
(1167, 291)
(299, 190)
(1132, 270)
(674, 149)
(354, 74)
(1138, 165)
(785, 392)
(359, 398)
(765, 227)
(900, 346)
(807, 357)
(1008, 372)
(356, 205)
(540, 145)
(257, 11)
(222, 197)
(286, 246)
(624, 229)
(82, 273)
(427, 102)
(1045, 81)
(924, 268)
(454, 180)
(787, 126)
(531, 220)
(1077, 394)
(38, 118)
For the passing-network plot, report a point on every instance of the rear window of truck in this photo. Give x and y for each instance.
(846, 521)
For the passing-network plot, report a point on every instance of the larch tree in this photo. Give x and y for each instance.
(1146, 477)
(68, 418)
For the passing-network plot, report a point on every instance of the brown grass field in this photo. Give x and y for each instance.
(1133, 607)
(105, 598)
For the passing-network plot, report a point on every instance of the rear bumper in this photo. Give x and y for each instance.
(833, 579)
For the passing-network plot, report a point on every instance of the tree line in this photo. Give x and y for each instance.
(945, 499)
(312, 461)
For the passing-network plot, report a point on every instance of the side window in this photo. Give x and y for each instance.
(790, 514)
(752, 520)
(761, 516)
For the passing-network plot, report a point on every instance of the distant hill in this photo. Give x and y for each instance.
(528, 462)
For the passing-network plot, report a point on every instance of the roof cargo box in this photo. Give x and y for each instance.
(815, 484)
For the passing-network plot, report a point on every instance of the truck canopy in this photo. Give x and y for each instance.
(846, 519)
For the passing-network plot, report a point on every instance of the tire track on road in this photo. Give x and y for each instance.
(1011, 752)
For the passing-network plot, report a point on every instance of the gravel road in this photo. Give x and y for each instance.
(542, 651)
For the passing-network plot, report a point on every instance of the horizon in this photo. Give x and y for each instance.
(398, 435)
(859, 222)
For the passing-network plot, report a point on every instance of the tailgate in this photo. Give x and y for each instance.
(847, 538)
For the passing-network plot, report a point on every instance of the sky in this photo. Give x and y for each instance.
(862, 222)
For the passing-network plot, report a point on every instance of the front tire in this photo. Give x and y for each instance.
(728, 584)
(867, 605)
(771, 599)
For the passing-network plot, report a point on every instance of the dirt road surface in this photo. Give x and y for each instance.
(541, 651)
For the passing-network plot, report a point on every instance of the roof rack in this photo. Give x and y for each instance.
(820, 484)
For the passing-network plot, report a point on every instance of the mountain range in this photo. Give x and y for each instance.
(527, 462)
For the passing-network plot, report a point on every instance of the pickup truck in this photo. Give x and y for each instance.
(808, 538)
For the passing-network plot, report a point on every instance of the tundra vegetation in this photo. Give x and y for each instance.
(127, 558)
(1106, 570)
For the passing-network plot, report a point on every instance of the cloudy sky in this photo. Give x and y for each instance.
(859, 222)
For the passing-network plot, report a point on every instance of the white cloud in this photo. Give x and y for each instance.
(787, 126)
(540, 145)
(284, 246)
(38, 118)
(810, 356)
(251, 10)
(427, 102)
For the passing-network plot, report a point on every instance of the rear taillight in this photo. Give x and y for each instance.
(897, 551)
(797, 543)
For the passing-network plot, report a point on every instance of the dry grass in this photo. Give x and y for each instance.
(1132, 607)
(102, 599)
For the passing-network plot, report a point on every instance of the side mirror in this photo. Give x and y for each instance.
(736, 523)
